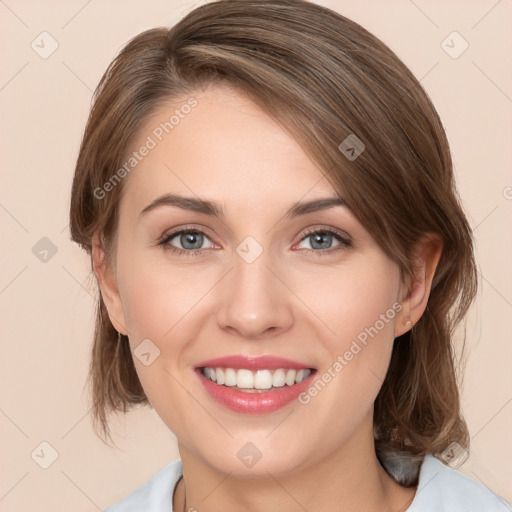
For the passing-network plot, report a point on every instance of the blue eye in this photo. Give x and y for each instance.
(191, 241)
(321, 240)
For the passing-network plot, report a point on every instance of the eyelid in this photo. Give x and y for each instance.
(171, 233)
(319, 228)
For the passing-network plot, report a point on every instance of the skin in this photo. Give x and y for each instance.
(290, 302)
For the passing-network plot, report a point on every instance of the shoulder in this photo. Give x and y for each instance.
(155, 495)
(441, 488)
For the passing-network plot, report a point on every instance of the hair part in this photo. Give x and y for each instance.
(322, 77)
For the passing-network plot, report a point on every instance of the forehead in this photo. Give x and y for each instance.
(217, 144)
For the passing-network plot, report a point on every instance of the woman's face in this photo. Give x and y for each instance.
(250, 279)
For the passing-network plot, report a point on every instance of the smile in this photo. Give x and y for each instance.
(247, 380)
(262, 389)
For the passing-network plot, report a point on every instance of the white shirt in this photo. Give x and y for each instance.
(440, 489)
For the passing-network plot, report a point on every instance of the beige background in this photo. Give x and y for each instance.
(48, 307)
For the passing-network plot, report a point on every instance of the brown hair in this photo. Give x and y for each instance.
(323, 77)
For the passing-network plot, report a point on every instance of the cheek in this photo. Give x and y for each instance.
(360, 310)
(352, 302)
(157, 297)
(166, 305)
(162, 305)
(371, 314)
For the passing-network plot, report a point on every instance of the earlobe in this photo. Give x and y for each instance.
(404, 322)
(108, 285)
(427, 255)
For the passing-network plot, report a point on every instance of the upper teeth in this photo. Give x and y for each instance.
(259, 379)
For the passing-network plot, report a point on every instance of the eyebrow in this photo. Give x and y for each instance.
(215, 209)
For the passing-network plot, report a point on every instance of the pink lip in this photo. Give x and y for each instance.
(253, 363)
(253, 402)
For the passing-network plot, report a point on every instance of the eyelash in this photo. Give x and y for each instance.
(344, 240)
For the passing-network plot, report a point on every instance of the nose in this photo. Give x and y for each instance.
(255, 302)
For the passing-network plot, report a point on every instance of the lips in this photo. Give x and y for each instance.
(253, 363)
(246, 397)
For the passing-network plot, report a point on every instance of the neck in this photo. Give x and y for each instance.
(349, 479)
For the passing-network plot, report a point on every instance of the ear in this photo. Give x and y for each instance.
(415, 293)
(108, 285)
